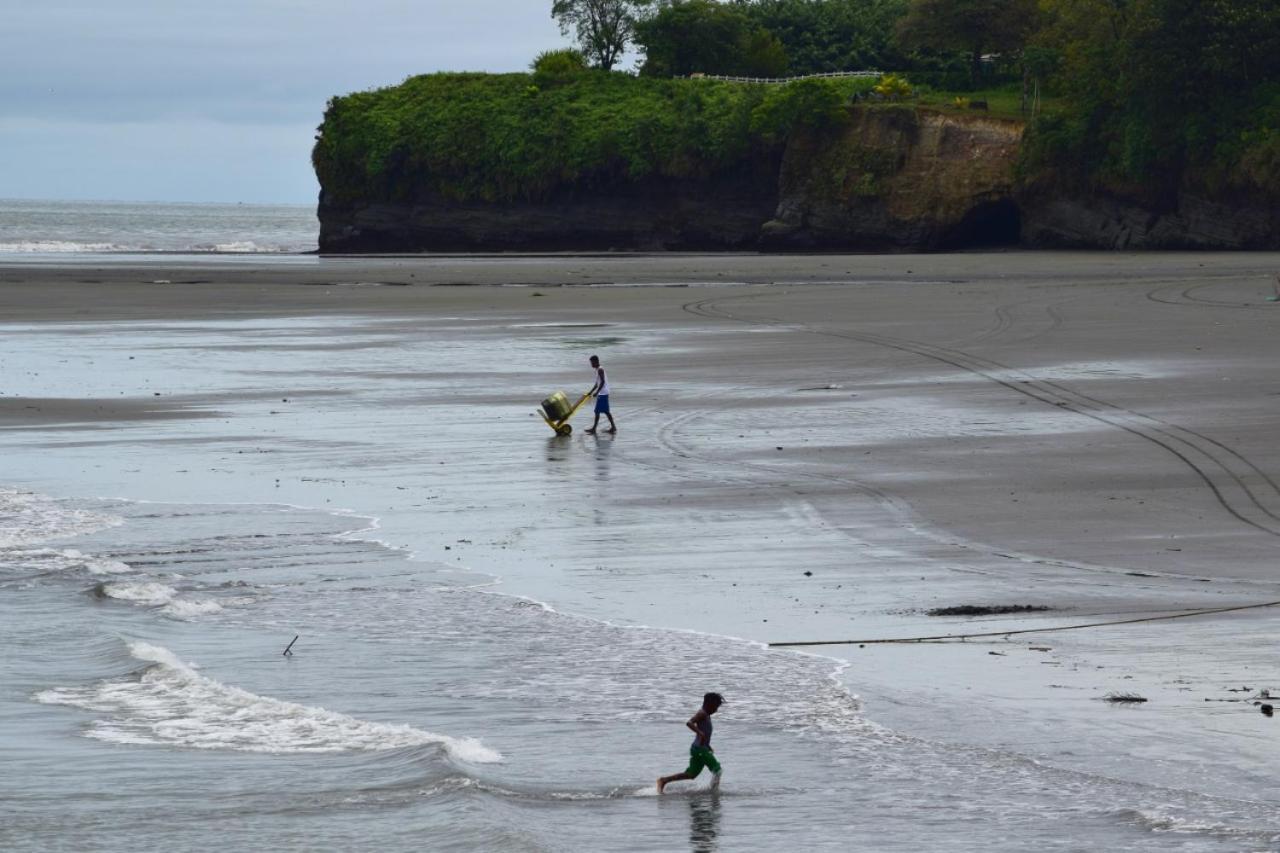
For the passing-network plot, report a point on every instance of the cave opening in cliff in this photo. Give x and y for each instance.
(992, 223)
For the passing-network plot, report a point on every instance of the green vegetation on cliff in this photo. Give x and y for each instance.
(1162, 94)
(502, 137)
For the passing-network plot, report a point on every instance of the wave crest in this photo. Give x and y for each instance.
(169, 703)
(150, 593)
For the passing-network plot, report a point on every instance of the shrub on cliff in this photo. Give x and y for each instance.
(894, 88)
(813, 103)
(557, 66)
(1259, 162)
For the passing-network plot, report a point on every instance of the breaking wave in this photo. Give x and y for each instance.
(169, 703)
(190, 608)
(151, 593)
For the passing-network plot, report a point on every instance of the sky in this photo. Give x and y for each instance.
(174, 100)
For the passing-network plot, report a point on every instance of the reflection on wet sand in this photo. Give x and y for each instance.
(603, 447)
(704, 822)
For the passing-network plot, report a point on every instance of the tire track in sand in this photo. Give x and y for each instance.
(1239, 486)
(1182, 294)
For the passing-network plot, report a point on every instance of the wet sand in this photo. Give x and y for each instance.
(810, 448)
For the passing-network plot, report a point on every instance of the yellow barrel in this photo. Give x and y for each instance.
(556, 406)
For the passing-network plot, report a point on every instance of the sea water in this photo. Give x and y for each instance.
(76, 227)
(147, 705)
(146, 702)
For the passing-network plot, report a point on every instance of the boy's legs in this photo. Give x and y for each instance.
(714, 766)
(698, 759)
(664, 781)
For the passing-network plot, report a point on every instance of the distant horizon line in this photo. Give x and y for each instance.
(189, 202)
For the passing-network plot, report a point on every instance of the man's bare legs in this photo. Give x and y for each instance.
(613, 427)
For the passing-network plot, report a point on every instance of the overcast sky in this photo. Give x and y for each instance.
(175, 100)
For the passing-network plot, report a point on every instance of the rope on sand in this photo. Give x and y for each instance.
(939, 638)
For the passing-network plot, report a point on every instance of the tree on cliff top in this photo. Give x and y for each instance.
(831, 35)
(689, 36)
(973, 26)
(602, 27)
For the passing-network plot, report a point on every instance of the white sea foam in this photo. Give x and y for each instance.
(189, 608)
(27, 518)
(96, 565)
(169, 703)
(64, 246)
(240, 246)
(53, 560)
(1159, 820)
(149, 593)
(152, 594)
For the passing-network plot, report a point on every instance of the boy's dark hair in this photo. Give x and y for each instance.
(713, 699)
(595, 359)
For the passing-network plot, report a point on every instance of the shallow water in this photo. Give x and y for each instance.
(145, 702)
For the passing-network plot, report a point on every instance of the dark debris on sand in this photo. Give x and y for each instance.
(1124, 698)
(987, 610)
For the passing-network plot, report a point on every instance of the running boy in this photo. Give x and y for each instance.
(700, 753)
(601, 392)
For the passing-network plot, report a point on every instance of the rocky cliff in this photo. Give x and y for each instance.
(888, 179)
(891, 178)
(899, 178)
(716, 214)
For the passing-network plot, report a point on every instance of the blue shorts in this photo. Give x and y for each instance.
(602, 404)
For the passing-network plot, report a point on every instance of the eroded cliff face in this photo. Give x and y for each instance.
(717, 214)
(899, 179)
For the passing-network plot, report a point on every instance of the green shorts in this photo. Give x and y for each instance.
(700, 757)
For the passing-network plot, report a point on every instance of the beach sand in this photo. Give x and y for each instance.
(810, 448)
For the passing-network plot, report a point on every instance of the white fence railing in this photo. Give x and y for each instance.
(727, 79)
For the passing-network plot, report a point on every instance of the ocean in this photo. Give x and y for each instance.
(79, 227)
